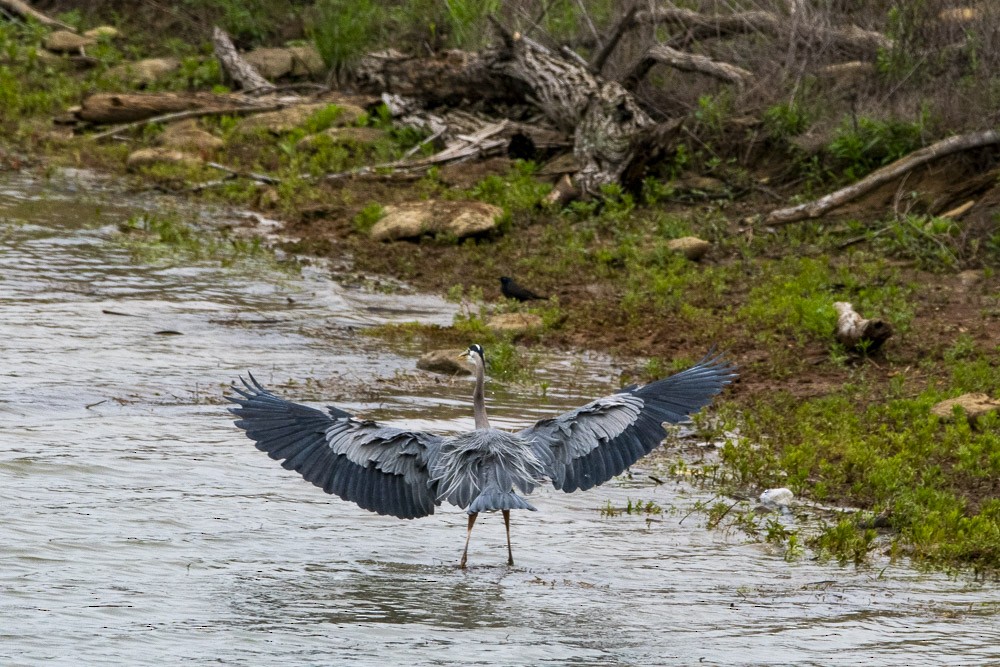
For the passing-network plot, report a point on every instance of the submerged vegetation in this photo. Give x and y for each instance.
(846, 428)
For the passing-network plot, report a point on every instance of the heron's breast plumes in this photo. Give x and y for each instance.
(484, 459)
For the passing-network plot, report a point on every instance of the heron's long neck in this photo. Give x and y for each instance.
(478, 400)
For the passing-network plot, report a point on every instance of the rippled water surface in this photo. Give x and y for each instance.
(139, 526)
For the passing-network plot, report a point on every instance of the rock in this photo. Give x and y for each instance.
(970, 278)
(349, 136)
(145, 72)
(690, 246)
(278, 122)
(974, 405)
(64, 41)
(102, 32)
(776, 498)
(514, 322)
(306, 62)
(414, 219)
(271, 63)
(145, 157)
(443, 361)
(186, 135)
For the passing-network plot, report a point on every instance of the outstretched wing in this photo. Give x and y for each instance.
(588, 446)
(380, 468)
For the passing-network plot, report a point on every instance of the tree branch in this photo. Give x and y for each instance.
(24, 10)
(238, 69)
(686, 62)
(820, 206)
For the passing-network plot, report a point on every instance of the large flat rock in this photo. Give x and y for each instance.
(415, 219)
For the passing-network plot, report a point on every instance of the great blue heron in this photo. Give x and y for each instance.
(407, 473)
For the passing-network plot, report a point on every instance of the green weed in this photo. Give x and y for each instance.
(155, 239)
(866, 144)
(367, 217)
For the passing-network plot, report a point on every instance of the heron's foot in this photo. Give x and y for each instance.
(510, 560)
(461, 565)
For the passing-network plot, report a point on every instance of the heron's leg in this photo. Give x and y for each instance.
(465, 554)
(506, 523)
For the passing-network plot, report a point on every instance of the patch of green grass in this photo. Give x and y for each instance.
(931, 242)
(466, 21)
(632, 507)
(845, 541)
(166, 239)
(345, 29)
(886, 453)
(787, 120)
(517, 192)
(866, 144)
(509, 363)
(367, 217)
(793, 298)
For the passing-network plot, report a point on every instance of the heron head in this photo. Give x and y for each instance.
(474, 355)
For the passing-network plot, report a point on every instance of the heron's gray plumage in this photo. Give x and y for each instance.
(407, 473)
(590, 445)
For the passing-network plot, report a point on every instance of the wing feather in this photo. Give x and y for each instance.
(380, 468)
(588, 446)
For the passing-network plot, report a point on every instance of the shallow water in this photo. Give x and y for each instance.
(139, 526)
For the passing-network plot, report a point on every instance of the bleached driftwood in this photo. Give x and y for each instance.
(686, 62)
(695, 26)
(818, 207)
(24, 10)
(238, 69)
(854, 331)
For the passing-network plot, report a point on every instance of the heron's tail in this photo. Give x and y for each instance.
(490, 500)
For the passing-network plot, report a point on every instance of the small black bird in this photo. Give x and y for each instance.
(512, 290)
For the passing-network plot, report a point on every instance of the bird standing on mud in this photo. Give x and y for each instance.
(407, 473)
(512, 290)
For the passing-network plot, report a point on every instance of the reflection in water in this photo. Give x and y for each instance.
(138, 526)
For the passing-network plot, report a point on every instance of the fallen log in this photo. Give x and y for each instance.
(103, 108)
(823, 205)
(26, 11)
(604, 117)
(183, 115)
(235, 66)
(450, 78)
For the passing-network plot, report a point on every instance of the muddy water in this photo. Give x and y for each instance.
(138, 526)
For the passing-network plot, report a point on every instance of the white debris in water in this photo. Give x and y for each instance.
(776, 498)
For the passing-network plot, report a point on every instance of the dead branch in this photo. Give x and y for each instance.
(104, 108)
(686, 62)
(484, 143)
(234, 65)
(26, 11)
(818, 207)
(213, 110)
(854, 331)
(697, 26)
(627, 21)
(253, 176)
